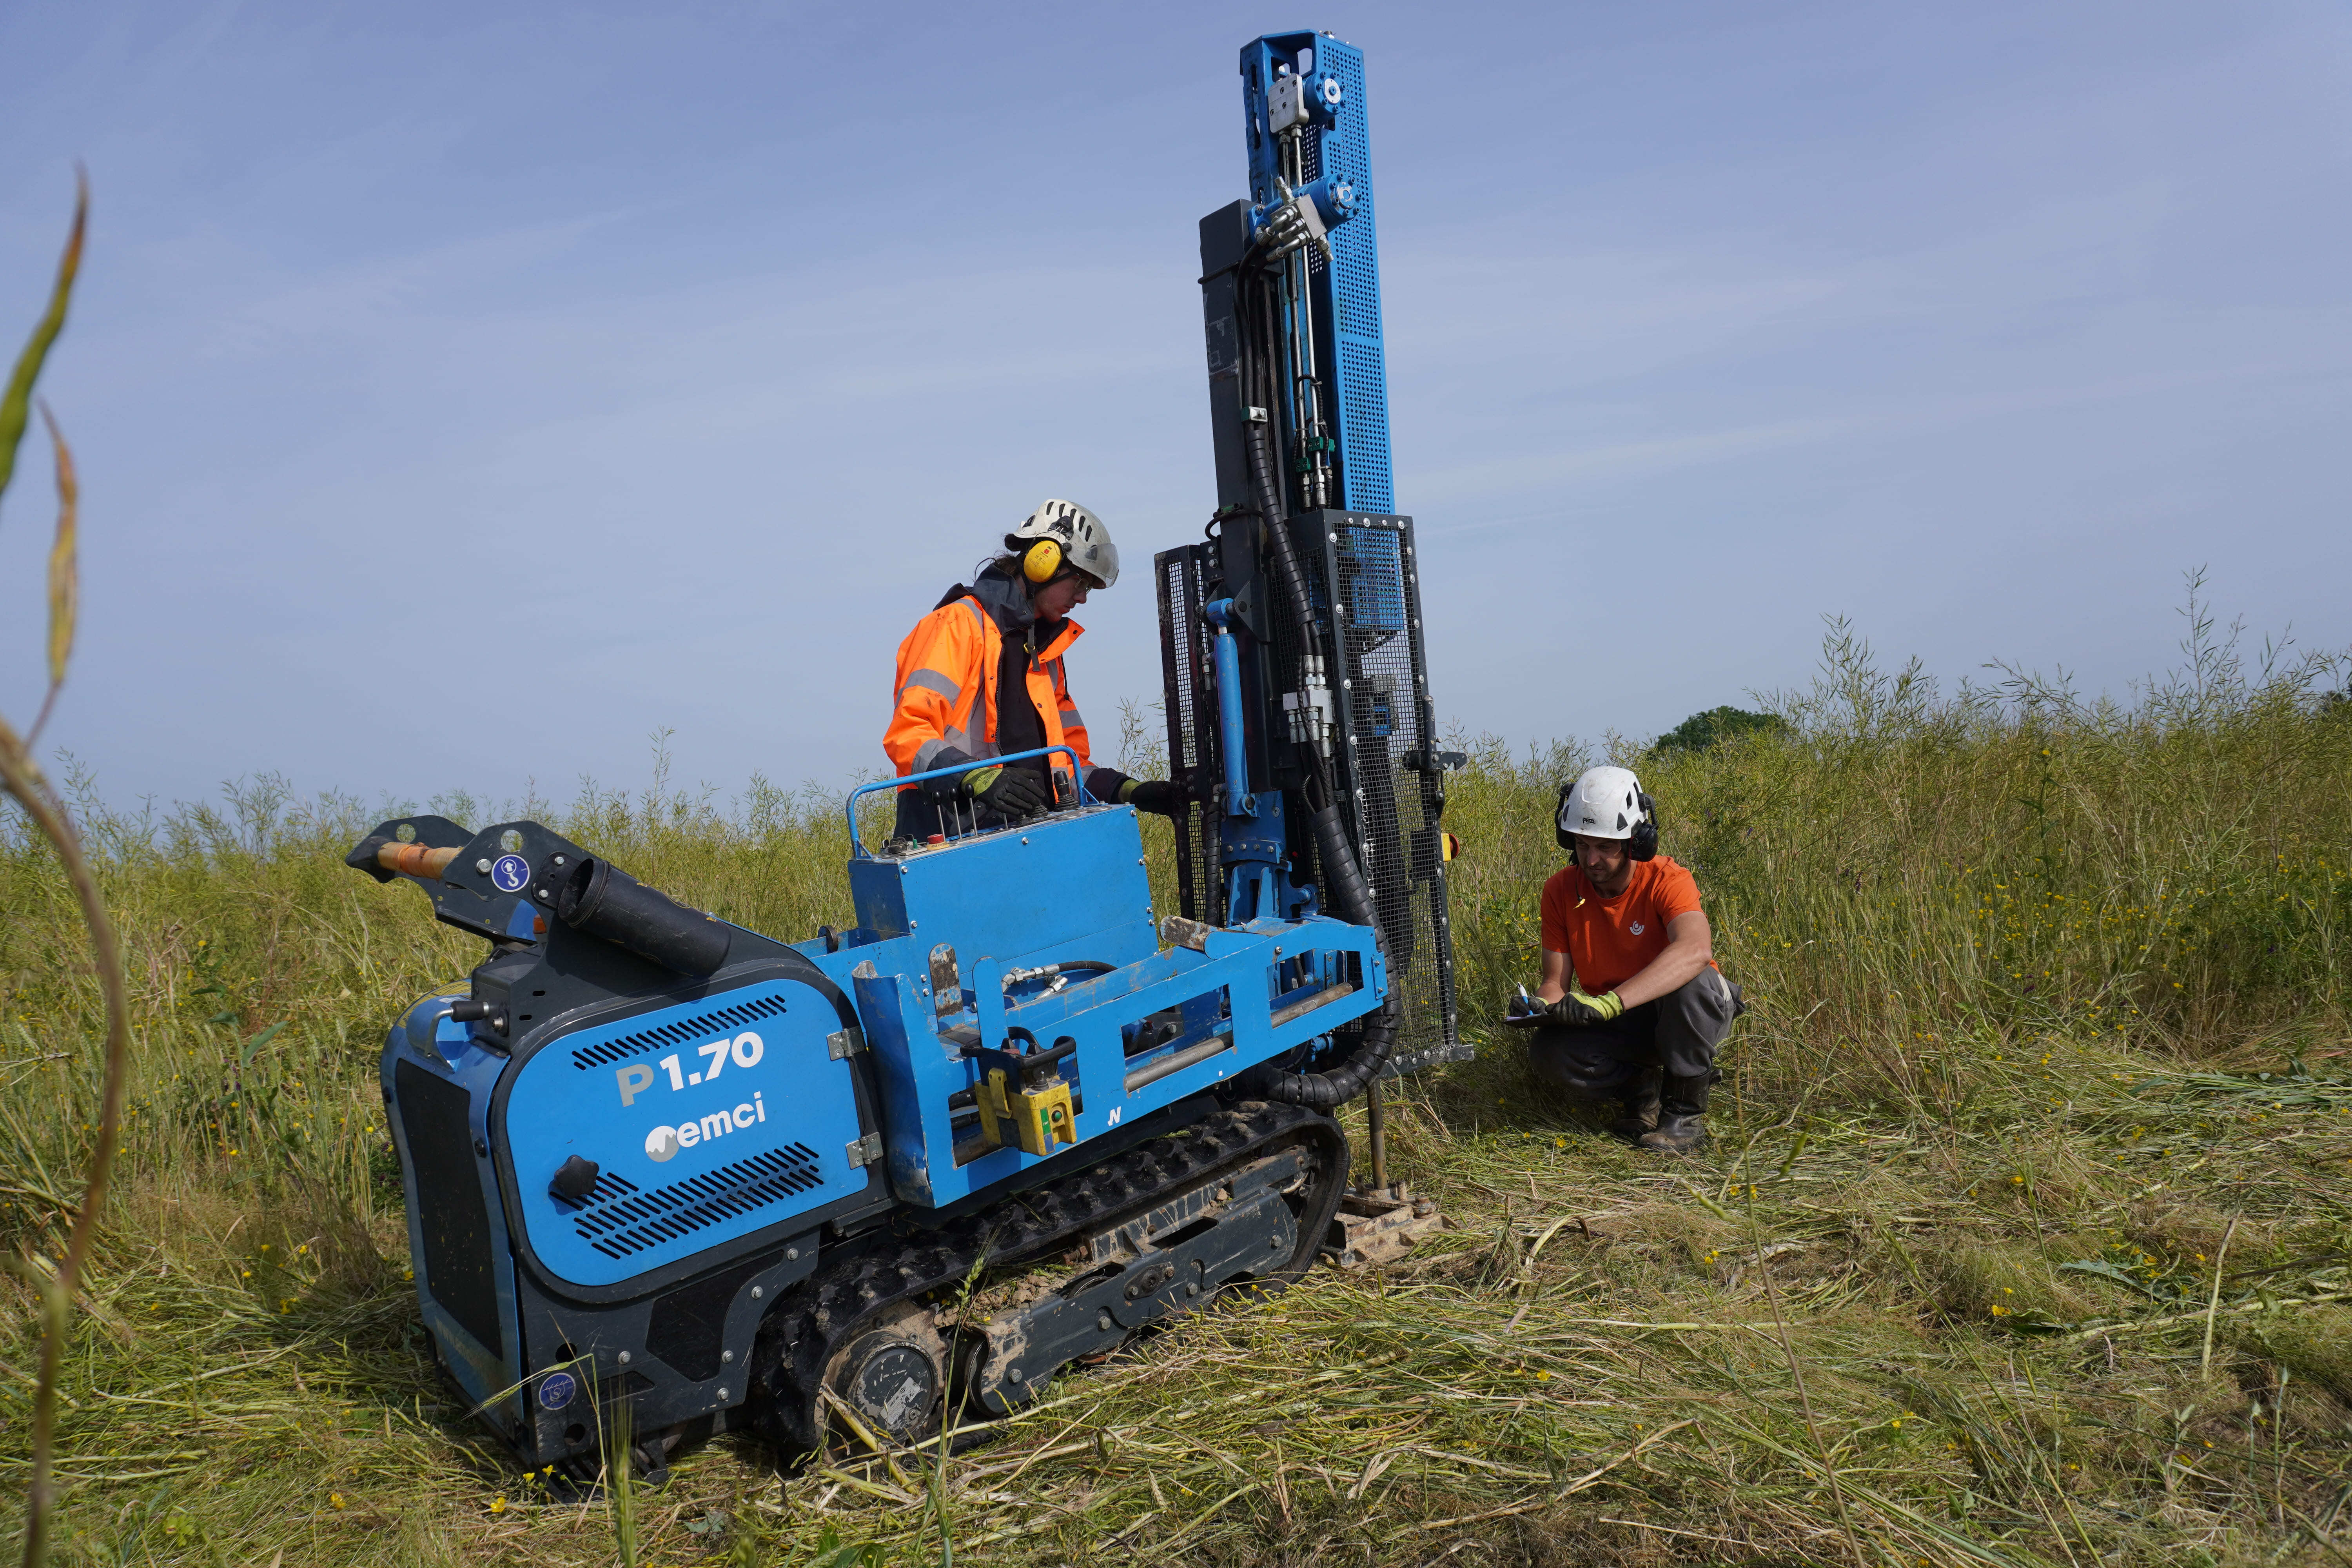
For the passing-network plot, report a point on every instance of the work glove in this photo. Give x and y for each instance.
(1578, 1011)
(1011, 793)
(1155, 796)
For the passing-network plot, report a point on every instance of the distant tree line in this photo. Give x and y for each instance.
(1700, 730)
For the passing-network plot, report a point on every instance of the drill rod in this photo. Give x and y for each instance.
(415, 860)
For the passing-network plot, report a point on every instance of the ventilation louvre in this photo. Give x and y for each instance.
(618, 1220)
(677, 1034)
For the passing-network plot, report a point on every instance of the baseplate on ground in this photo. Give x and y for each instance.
(1378, 1225)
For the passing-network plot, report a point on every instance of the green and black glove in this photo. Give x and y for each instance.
(1011, 793)
(1155, 796)
(1578, 1011)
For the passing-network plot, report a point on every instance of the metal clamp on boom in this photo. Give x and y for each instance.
(1022, 1095)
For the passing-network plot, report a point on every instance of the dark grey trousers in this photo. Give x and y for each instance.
(1679, 1032)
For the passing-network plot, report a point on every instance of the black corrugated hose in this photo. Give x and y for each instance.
(1344, 886)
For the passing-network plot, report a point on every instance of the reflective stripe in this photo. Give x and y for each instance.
(1071, 720)
(929, 750)
(931, 680)
(940, 674)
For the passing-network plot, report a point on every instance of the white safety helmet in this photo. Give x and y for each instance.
(1607, 803)
(1060, 533)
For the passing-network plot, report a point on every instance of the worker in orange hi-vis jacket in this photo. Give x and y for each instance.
(981, 677)
(1632, 1005)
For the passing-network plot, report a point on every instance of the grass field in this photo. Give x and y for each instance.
(2023, 1237)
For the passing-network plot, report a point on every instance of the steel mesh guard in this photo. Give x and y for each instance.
(1191, 701)
(1387, 757)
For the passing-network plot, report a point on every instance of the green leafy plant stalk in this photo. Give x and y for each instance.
(21, 776)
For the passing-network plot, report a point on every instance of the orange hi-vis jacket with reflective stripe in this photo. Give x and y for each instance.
(947, 696)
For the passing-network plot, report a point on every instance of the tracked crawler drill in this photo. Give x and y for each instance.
(1008, 1120)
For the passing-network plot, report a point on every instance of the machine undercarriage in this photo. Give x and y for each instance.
(988, 1308)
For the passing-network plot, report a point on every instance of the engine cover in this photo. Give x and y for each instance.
(705, 1121)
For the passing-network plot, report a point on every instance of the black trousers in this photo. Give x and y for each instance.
(1679, 1032)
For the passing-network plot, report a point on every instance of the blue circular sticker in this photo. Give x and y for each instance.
(556, 1391)
(512, 874)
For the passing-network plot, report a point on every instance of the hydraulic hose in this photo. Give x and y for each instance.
(1258, 442)
(1294, 584)
(1343, 878)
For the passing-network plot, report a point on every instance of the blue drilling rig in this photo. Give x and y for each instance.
(657, 1160)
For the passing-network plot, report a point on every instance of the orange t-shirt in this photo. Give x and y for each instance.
(1610, 941)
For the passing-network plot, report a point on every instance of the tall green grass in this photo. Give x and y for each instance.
(1900, 867)
(2017, 961)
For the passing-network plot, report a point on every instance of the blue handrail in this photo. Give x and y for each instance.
(849, 807)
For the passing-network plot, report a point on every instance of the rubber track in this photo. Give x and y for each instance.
(827, 1308)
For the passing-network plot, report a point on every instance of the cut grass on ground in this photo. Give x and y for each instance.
(1999, 1326)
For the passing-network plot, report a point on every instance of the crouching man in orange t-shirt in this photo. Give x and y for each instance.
(1633, 1004)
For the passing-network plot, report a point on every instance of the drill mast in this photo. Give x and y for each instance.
(1297, 678)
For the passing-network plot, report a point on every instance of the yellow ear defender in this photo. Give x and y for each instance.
(1042, 560)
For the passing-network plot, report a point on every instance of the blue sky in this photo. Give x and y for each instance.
(463, 392)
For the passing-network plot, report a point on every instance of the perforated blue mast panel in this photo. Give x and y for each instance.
(1348, 292)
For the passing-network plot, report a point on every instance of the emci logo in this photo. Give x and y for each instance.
(663, 1143)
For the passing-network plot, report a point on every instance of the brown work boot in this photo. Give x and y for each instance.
(1641, 1097)
(1682, 1116)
